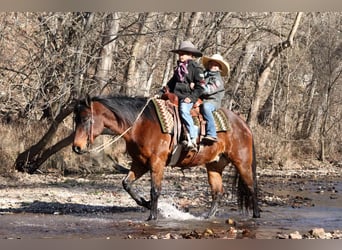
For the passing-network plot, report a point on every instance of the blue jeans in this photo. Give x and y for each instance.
(184, 110)
(207, 112)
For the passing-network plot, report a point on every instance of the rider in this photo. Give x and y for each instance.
(187, 83)
(214, 91)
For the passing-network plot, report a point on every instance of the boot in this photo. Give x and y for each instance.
(210, 138)
(192, 145)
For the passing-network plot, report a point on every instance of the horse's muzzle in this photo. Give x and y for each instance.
(77, 149)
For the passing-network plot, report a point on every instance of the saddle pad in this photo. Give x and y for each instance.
(164, 115)
(167, 123)
(221, 120)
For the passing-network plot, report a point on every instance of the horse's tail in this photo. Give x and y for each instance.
(255, 181)
(244, 194)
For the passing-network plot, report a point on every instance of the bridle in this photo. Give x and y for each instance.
(90, 126)
(90, 130)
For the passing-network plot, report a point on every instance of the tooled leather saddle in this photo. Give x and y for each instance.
(180, 130)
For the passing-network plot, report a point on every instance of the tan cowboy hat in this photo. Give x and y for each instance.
(187, 46)
(219, 59)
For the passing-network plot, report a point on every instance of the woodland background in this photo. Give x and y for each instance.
(285, 79)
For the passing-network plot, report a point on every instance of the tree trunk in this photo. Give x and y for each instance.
(79, 72)
(310, 112)
(242, 68)
(154, 65)
(193, 20)
(137, 50)
(170, 59)
(32, 158)
(108, 46)
(266, 70)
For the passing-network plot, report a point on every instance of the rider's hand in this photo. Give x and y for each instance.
(187, 100)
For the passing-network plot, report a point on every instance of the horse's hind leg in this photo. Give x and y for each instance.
(134, 174)
(214, 171)
(248, 187)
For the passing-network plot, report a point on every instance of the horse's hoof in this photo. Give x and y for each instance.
(151, 217)
(146, 204)
(256, 215)
(209, 216)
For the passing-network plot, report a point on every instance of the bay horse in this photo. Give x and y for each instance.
(135, 119)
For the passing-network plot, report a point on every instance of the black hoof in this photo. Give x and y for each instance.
(151, 217)
(256, 214)
(146, 204)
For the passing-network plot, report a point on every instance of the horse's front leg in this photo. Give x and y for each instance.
(134, 174)
(214, 171)
(157, 172)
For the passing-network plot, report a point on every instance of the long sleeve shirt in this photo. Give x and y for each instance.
(213, 88)
(179, 84)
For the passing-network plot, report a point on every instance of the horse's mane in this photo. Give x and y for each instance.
(125, 108)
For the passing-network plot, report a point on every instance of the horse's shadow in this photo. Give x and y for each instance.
(41, 207)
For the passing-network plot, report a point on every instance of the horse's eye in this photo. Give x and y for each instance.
(84, 119)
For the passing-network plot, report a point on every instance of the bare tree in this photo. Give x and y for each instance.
(104, 66)
(266, 69)
(137, 50)
(328, 64)
(49, 60)
(34, 156)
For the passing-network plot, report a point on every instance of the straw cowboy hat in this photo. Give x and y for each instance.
(219, 59)
(187, 46)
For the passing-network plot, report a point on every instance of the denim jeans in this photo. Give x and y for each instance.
(207, 112)
(184, 110)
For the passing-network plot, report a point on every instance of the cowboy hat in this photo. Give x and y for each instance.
(187, 46)
(219, 59)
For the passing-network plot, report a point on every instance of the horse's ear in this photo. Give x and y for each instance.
(88, 100)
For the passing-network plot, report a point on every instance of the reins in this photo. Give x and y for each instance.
(116, 138)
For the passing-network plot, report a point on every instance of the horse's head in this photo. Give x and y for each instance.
(114, 115)
(88, 125)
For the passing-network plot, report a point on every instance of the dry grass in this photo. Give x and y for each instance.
(16, 138)
(11, 146)
(274, 150)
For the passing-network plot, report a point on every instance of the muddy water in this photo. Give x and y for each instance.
(299, 208)
(311, 205)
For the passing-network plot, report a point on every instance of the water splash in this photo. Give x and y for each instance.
(168, 209)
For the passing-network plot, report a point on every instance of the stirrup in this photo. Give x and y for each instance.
(210, 138)
(192, 146)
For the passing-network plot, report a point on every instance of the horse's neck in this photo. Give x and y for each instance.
(111, 123)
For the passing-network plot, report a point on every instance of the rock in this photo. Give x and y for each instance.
(232, 230)
(318, 233)
(208, 232)
(231, 222)
(333, 196)
(167, 236)
(295, 236)
(337, 234)
(282, 236)
(328, 236)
